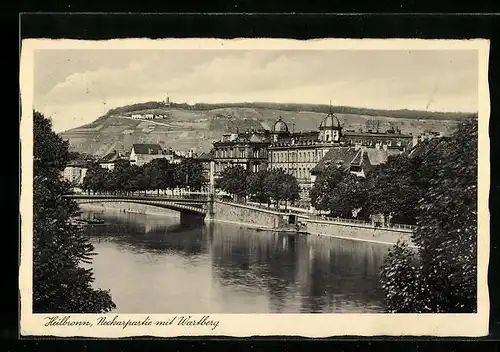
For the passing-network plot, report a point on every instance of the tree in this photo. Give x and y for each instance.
(373, 125)
(160, 174)
(96, 179)
(60, 284)
(394, 188)
(257, 186)
(281, 187)
(349, 197)
(289, 188)
(441, 276)
(189, 174)
(233, 180)
(138, 180)
(322, 190)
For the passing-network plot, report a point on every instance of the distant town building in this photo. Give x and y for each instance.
(358, 161)
(75, 172)
(109, 160)
(249, 150)
(206, 160)
(141, 154)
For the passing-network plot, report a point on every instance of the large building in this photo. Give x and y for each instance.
(297, 153)
(109, 160)
(75, 172)
(249, 150)
(144, 153)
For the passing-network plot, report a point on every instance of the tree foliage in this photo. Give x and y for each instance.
(341, 193)
(233, 180)
(264, 186)
(324, 187)
(394, 188)
(159, 174)
(258, 187)
(441, 276)
(281, 186)
(60, 284)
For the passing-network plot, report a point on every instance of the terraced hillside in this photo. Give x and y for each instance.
(184, 129)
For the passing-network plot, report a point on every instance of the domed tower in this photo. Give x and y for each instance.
(330, 129)
(280, 129)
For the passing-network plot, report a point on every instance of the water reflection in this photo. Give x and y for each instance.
(222, 268)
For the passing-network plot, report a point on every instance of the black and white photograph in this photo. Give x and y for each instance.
(194, 182)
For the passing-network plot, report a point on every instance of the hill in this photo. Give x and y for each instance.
(197, 126)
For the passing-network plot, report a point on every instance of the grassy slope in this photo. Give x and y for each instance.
(187, 128)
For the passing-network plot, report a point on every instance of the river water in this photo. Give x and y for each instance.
(153, 265)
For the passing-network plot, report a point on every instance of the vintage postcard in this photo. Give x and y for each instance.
(253, 187)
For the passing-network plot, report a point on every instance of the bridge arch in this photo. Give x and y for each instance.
(191, 211)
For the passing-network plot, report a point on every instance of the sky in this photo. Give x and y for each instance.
(75, 87)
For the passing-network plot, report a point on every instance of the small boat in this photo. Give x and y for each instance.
(94, 221)
(283, 230)
(78, 222)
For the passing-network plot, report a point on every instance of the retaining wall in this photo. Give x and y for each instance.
(358, 232)
(246, 215)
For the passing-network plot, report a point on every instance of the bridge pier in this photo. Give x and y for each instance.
(190, 219)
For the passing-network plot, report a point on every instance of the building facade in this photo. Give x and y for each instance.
(249, 150)
(75, 172)
(297, 153)
(144, 153)
(109, 160)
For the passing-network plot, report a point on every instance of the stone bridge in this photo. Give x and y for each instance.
(192, 210)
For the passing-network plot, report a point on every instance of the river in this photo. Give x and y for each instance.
(153, 265)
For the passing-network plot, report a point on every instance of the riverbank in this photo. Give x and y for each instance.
(128, 208)
(266, 220)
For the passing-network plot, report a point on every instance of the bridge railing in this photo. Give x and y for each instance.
(184, 196)
(361, 222)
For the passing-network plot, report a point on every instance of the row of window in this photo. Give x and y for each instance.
(219, 167)
(240, 153)
(371, 142)
(300, 173)
(306, 156)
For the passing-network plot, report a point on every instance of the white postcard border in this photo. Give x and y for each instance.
(243, 325)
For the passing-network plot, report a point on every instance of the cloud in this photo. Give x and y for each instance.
(377, 79)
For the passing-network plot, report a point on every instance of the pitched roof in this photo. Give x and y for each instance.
(379, 134)
(110, 158)
(205, 156)
(78, 163)
(423, 148)
(255, 138)
(340, 155)
(376, 156)
(147, 148)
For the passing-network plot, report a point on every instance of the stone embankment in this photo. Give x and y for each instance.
(255, 217)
